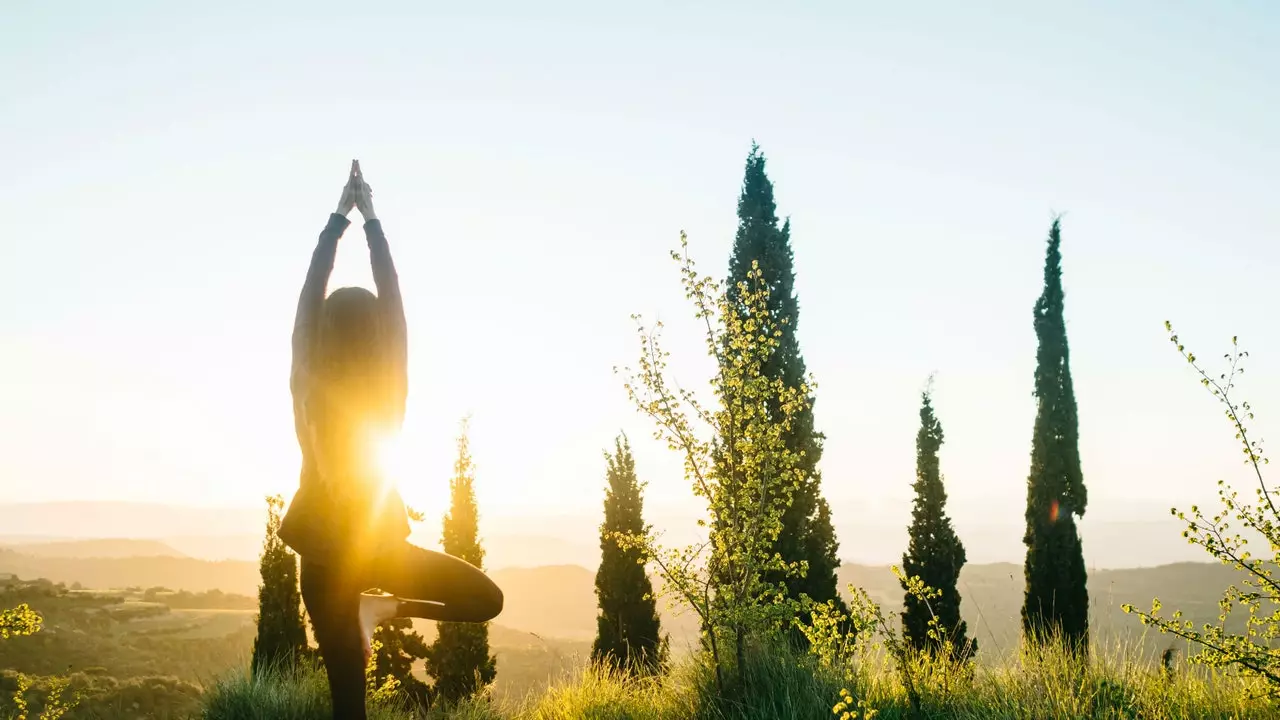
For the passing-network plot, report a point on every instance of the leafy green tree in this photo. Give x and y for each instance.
(628, 631)
(744, 470)
(807, 537)
(1056, 604)
(282, 637)
(459, 659)
(1252, 650)
(934, 553)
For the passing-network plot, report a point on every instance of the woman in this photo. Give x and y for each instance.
(349, 381)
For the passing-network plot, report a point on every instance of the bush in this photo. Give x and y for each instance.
(1253, 650)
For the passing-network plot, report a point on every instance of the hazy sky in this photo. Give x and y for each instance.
(169, 171)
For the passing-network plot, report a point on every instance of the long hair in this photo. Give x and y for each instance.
(352, 398)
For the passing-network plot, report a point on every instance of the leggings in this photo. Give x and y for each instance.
(453, 591)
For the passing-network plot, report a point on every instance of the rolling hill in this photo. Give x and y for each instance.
(94, 549)
(1120, 535)
(559, 601)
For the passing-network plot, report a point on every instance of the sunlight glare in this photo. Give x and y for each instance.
(388, 455)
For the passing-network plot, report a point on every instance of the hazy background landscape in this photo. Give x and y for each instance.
(546, 569)
(171, 165)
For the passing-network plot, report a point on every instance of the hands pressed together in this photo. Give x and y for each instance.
(357, 194)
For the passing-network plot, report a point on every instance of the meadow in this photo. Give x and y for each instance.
(779, 685)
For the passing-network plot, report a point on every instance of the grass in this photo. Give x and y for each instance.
(298, 694)
(1047, 687)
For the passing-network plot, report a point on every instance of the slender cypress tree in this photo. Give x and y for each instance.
(1057, 602)
(807, 534)
(934, 554)
(459, 659)
(628, 631)
(282, 637)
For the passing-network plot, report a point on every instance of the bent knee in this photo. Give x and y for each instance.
(490, 602)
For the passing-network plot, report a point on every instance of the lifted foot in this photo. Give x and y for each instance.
(374, 610)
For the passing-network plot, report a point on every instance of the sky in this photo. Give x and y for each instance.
(533, 165)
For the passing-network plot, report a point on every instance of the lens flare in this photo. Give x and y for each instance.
(388, 458)
(1053, 511)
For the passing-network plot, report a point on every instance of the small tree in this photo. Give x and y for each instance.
(282, 637)
(628, 631)
(1252, 650)
(396, 647)
(935, 554)
(459, 659)
(745, 472)
(761, 245)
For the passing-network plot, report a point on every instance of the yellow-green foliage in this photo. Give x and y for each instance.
(1254, 650)
(747, 483)
(19, 621)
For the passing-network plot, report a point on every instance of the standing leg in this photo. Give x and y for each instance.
(447, 588)
(334, 606)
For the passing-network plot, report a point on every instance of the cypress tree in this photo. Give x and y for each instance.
(282, 637)
(807, 534)
(1056, 604)
(628, 631)
(459, 659)
(934, 553)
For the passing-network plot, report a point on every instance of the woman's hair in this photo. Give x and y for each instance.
(351, 371)
(350, 332)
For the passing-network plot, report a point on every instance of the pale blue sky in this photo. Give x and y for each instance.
(170, 170)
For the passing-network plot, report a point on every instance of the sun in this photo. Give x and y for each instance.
(389, 458)
(402, 468)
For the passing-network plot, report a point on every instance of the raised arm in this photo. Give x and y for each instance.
(307, 319)
(310, 301)
(388, 284)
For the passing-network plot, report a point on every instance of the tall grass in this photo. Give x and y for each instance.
(1048, 685)
(298, 693)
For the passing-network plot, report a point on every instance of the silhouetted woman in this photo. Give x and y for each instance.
(346, 522)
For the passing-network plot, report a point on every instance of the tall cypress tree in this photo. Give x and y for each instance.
(282, 637)
(628, 631)
(807, 534)
(1056, 602)
(934, 554)
(459, 659)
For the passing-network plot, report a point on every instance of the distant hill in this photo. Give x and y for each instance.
(178, 573)
(104, 548)
(1116, 536)
(991, 599)
(559, 601)
(152, 521)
